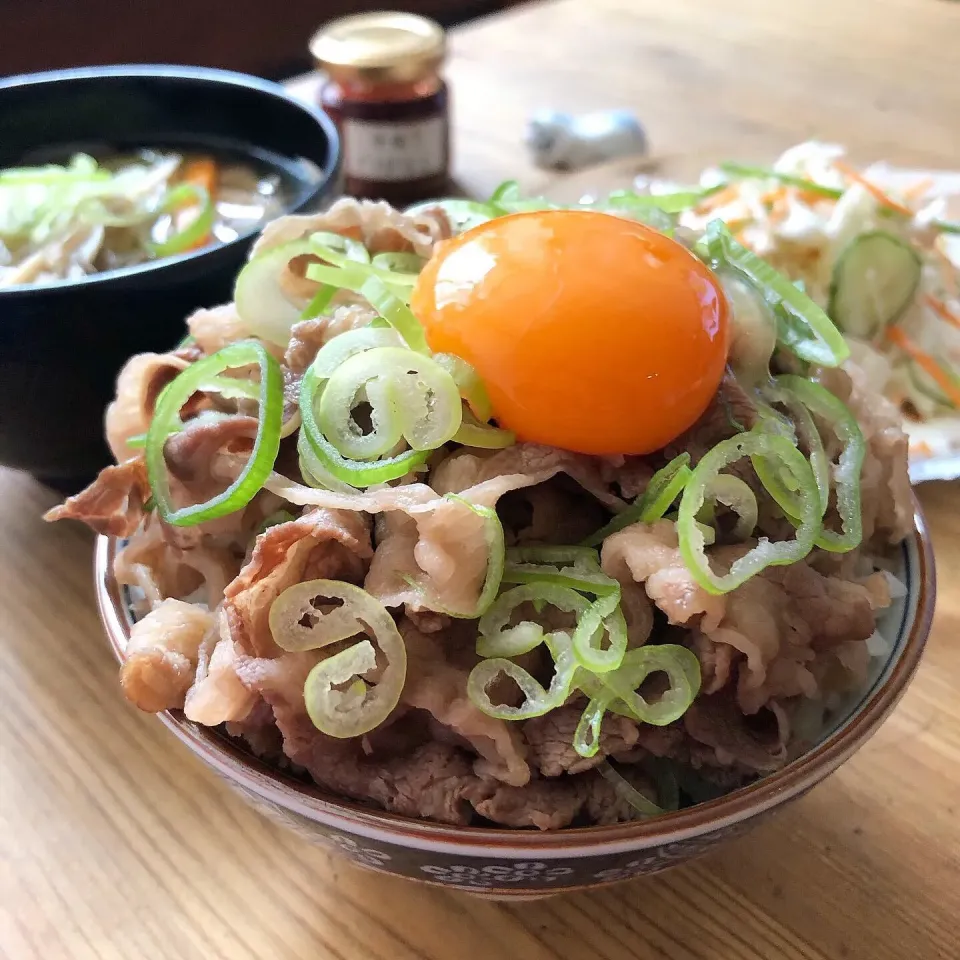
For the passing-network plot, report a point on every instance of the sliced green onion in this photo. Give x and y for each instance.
(321, 300)
(260, 299)
(664, 495)
(648, 213)
(341, 348)
(396, 313)
(788, 179)
(559, 588)
(493, 536)
(667, 202)
(411, 398)
(344, 248)
(846, 474)
(765, 553)
(664, 775)
(586, 738)
(397, 262)
(469, 384)
(682, 669)
(668, 481)
(474, 430)
(496, 639)
(506, 192)
(577, 568)
(732, 492)
(810, 333)
(197, 230)
(339, 251)
(753, 330)
(353, 472)
(602, 618)
(312, 468)
(482, 435)
(779, 483)
(299, 621)
(643, 805)
(947, 226)
(166, 420)
(537, 700)
(230, 388)
(83, 168)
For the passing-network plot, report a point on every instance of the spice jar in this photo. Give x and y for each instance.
(386, 95)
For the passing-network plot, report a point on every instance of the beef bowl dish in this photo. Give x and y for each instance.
(129, 196)
(506, 546)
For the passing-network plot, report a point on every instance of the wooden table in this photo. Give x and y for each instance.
(117, 844)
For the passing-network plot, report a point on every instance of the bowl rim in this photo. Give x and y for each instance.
(310, 802)
(172, 71)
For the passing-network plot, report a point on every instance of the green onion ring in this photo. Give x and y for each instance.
(410, 396)
(765, 553)
(195, 232)
(297, 623)
(353, 472)
(787, 179)
(846, 475)
(812, 334)
(662, 484)
(538, 701)
(678, 663)
(166, 420)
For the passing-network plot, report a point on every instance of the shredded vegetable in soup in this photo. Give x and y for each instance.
(64, 222)
(505, 514)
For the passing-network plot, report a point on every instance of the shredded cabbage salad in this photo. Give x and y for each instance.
(879, 250)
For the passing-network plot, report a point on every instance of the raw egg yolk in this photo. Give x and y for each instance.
(591, 332)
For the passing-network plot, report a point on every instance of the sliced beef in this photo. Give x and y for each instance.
(650, 554)
(161, 656)
(308, 336)
(381, 228)
(550, 740)
(757, 745)
(214, 328)
(544, 804)
(113, 504)
(322, 544)
(138, 384)
(438, 686)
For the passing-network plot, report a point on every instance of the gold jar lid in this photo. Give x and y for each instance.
(379, 47)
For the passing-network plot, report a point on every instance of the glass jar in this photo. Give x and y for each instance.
(384, 90)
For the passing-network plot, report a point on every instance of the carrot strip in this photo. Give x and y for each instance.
(916, 190)
(948, 384)
(726, 195)
(810, 198)
(771, 196)
(872, 188)
(201, 173)
(942, 310)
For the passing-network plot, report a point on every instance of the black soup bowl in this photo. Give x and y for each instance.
(62, 344)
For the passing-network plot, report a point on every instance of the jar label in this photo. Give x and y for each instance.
(394, 152)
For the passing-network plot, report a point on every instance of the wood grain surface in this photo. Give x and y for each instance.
(117, 844)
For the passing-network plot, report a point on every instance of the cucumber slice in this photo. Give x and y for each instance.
(874, 281)
(926, 385)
